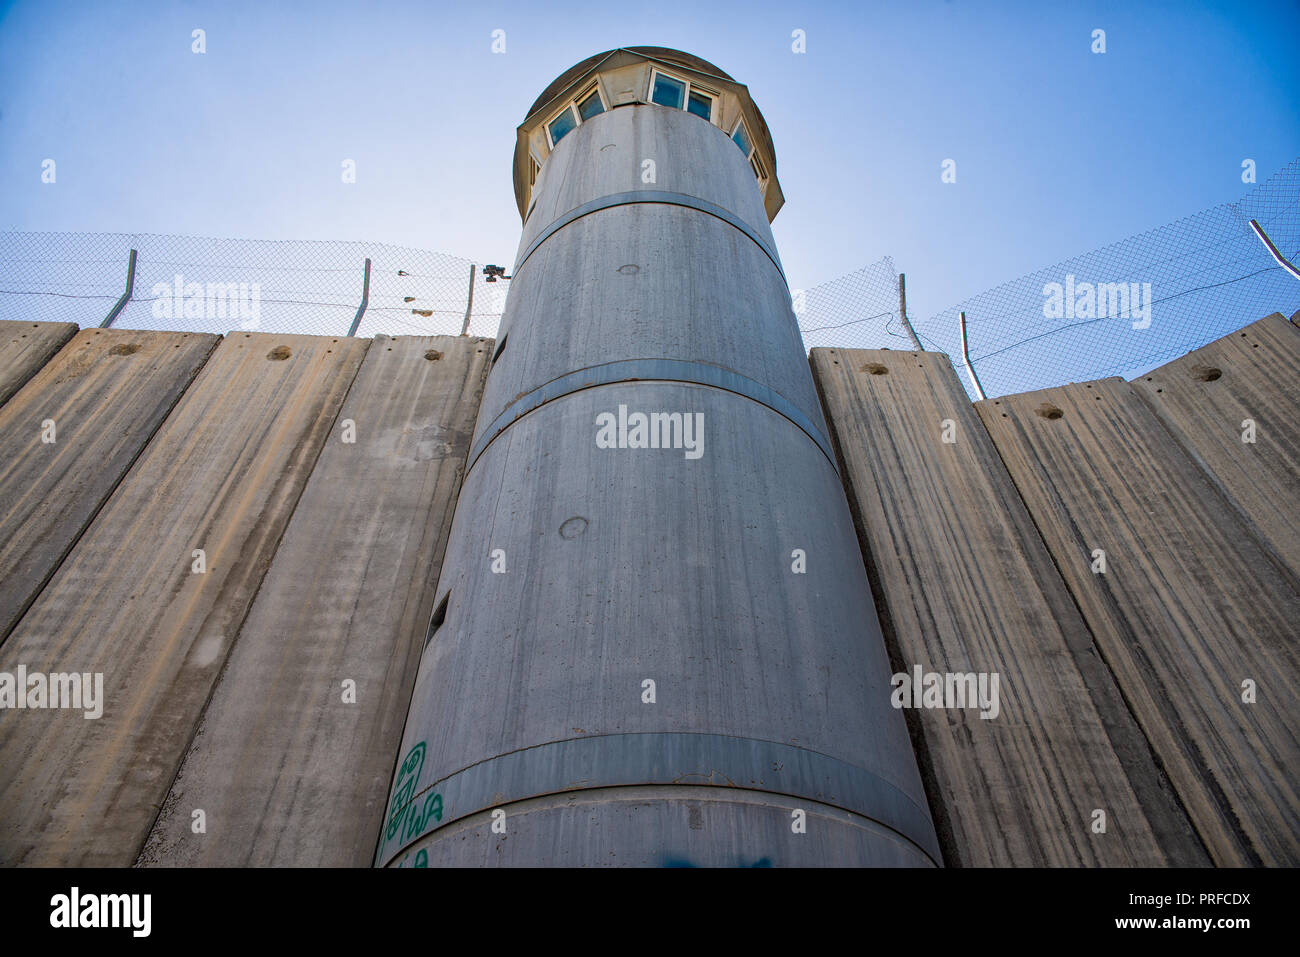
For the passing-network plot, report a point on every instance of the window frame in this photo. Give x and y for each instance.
(690, 85)
(585, 95)
(740, 121)
(577, 121)
(752, 156)
(572, 106)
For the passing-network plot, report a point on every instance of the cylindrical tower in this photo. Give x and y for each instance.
(654, 641)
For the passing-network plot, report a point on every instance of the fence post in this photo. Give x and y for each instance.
(126, 296)
(365, 299)
(902, 312)
(469, 305)
(965, 355)
(1273, 250)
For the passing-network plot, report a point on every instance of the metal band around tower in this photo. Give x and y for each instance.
(654, 370)
(656, 758)
(650, 196)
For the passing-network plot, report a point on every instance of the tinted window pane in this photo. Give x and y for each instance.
(668, 92)
(742, 140)
(700, 104)
(591, 106)
(562, 125)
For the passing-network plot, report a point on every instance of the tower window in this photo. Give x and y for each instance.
(668, 91)
(700, 105)
(740, 136)
(575, 113)
(679, 94)
(562, 125)
(591, 106)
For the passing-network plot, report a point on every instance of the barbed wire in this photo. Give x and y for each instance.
(1172, 289)
(1198, 279)
(214, 285)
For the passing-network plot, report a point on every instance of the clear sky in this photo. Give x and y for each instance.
(1058, 150)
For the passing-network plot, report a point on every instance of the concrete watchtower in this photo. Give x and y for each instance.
(654, 640)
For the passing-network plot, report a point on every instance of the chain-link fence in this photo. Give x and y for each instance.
(1120, 310)
(857, 311)
(215, 285)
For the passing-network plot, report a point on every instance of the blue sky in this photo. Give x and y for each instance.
(1058, 150)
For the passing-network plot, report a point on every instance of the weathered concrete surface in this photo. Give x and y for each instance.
(1246, 384)
(621, 271)
(653, 617)
(222, 474)
(1189, 607)
(105, 392)
(699, 827)
(627, 565)
(687, 160)
(964, 584)
(25, 347)
(286, 771)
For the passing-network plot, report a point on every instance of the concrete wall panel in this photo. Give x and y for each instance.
(1242, 386)
(289, 773)
(1190, 605)
(222, 474)
(105, 392)
(25, 347)
(965, 584)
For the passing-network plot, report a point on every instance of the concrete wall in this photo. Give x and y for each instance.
(965, 585)
(1190, 607)
(1125, 562)
(321, 675)
(103, 575)
(268, 690)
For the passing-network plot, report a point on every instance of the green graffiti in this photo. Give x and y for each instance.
(417, 821)
(408, 777)
(421, 859)
(403, 815)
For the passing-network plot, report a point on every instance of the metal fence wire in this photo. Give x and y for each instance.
(1119, 310)
(857, 311)
(216, 285)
